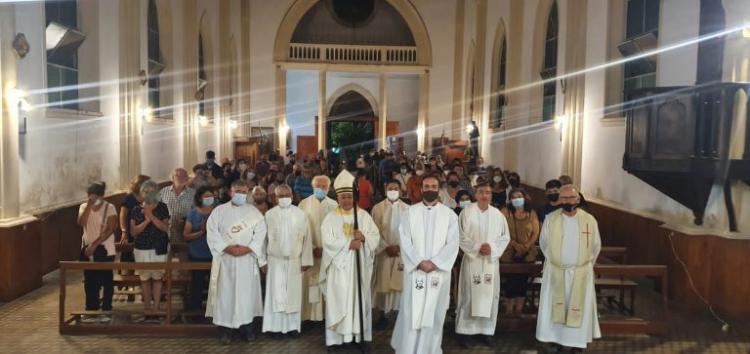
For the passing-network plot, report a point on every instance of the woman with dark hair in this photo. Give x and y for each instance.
(499, 186)
(463, 200)
(523, 225)
(195, 234)
(98, 218)
(126, 237)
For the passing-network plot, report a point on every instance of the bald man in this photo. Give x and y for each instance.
(567, 303)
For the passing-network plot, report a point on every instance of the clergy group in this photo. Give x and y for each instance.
(331, 261)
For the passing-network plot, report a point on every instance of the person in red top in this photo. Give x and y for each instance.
(365, 190)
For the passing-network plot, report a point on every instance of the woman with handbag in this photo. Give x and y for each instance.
(98, 219)
(523, 225)
(149, 226)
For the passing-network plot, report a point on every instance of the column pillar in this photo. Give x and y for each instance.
(281, 127)
(322, 114)
(9, 115)
(422, 117)
(383, 119)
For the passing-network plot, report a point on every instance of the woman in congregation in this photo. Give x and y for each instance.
(149, 224)
(195, 234)
(523, 225)
(132, 199)
(98, 218)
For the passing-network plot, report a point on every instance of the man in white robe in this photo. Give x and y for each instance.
(236, 233)
(567, 303)
(316, 208)
(389, 269)
(429, 246)
(484, 237)
(344, 292)
(289, 255)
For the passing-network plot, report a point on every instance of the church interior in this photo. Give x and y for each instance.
(642, 104)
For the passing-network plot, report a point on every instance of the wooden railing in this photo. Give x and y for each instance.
(67, 324)
(355, 54)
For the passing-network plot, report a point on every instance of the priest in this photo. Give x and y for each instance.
(567, 303)
(389, 269)
(315, 207)
(429, 246)
(236, 233)
(348, 299)
(484, 236)
(289, 254)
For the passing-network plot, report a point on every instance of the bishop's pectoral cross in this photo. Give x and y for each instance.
(587, 233)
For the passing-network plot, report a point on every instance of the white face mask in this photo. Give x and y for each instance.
(497, 179)
(517, 202)
(465, 204)
(98, 202)
(393, 195)
(420, 172)
(285, 202)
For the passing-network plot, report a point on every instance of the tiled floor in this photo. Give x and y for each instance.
(29, 325)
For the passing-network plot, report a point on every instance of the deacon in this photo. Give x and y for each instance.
(567, 304)
(429, 246)
(347, 297)
(389, 275)
(236, 235)
(289, 254)
(484, 236)
(316, 207)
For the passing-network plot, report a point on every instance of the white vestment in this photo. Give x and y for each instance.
(426, 234)
(289, 249)
(338, 276)
(312, 301)
(389, 271)
(546, 329)
(234, 296)
(479, 280)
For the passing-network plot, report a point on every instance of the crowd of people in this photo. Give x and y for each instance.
(404, 236)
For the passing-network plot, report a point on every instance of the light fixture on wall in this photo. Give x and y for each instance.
(283, 129)
(232, 124)
(560, 121)
(146, 114)
(21, 45)
(746, 30)
(17, 97)
(203, 120)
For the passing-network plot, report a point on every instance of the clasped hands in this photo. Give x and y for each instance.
(358, 240)
(237, 250)
(485, 249)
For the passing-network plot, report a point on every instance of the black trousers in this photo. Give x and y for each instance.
(198, 283)
(95, 281)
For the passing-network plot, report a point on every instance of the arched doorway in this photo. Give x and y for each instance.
(350, 126)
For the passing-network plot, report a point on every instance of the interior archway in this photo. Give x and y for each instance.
(350, 125)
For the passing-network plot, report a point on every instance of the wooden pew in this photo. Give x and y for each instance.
(634, 325)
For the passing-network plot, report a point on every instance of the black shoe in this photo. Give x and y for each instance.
(248, 337)
(463, 341)
(333, 348)
(293, 334)
(363, 347)
(488, 341)
(226, 338)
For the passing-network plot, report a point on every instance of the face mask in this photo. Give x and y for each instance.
(152, 199)
(497, 179)
(420, 172)
(453, 184)
(446, 172)
(392, 195)
(259, 201)
(517, 202)
(403, 171)
(465, 204)
(319, 193)
(569, 207)
(98, 202)
(285, 202)
(553, 197)
(239, 199)
(243, 167)
(250, 175)
(430, 196)
(513, 182)
(208, 201)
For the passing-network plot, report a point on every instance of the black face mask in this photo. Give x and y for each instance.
(569, 207)
(430, 196)
(453, 184)
(513, 182)
(553, 197)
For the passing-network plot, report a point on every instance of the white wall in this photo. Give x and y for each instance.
(403, 107)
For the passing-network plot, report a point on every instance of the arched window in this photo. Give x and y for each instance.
(549, 66)
(155, 61)
(202, 78)
(496, 120)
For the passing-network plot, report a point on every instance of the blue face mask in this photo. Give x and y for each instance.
(319, 193)
(517, 202)
(239, 199)
(208, 201)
